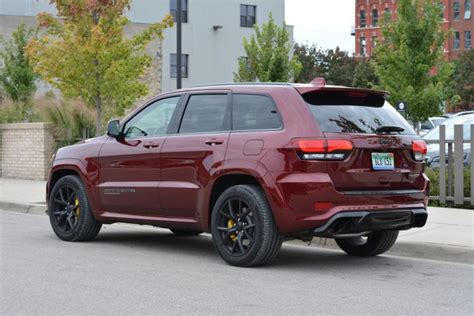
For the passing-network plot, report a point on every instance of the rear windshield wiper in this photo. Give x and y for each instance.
(388, 129)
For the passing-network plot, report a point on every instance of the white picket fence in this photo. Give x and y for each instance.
(451, 166)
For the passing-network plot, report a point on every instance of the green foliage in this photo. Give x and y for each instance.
(72, 121)
(17, 78)
(433, 175)
(84, 54)
(409, 61)
(364, 75)
(335, 65)
(464, 78)
(268, 56)
(9, 113)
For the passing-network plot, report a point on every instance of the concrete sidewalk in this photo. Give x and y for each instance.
(448, 235)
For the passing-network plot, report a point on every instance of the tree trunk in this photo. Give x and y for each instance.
(98, 110)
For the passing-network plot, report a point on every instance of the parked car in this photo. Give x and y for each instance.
(464, 113)
(430, 123)
(432, 157)
(252, 164)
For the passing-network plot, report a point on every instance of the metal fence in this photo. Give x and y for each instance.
(451, 166)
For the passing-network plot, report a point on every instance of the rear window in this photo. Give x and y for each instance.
(353, 112)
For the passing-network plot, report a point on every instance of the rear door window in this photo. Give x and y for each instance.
(254, 112)
(206, 113)
(354, 112)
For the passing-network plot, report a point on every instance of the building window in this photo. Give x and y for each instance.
(375, 17)
(363, 46)
(247, 15)
(467, 10)
(374, 41)
(363, 18)
(457, 40)
(184, 66)
(467, 39)
(442, 7)
(184, 10)
(456, 11)
(387, 15)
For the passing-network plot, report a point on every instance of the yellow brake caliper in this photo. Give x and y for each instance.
(230, 224)
(76, 203)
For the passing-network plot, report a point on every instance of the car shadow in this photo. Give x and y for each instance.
(290, 256)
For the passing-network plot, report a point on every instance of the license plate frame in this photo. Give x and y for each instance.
(383, 161)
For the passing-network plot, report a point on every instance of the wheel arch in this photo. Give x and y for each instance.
(241, 177)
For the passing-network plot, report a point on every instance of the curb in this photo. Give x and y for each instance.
(37, 209)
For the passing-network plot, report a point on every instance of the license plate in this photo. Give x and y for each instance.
(383, 161)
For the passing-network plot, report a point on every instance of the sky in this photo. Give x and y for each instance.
(326, 23)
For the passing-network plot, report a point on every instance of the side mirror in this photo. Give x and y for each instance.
(113, 129)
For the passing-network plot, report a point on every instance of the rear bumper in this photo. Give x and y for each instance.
(350, 224)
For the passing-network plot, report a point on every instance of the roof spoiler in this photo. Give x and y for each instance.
(319, 83)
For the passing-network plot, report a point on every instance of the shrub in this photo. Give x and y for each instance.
(433, 175)
(72, 120)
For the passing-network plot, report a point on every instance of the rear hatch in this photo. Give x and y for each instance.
(382, 156)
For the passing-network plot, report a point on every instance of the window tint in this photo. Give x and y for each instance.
(153, 120)
(337, 112)
(205, 113)
(457, 40)
(250, 112)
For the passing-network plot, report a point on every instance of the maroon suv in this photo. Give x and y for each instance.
(253, 164)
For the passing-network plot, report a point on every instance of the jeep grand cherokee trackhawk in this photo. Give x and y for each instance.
(253, 164)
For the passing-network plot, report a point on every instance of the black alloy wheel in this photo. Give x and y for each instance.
(243, 229)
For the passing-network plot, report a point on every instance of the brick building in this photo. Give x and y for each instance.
(457, 15)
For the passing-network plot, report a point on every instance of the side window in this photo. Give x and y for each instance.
(253, 112)
(153, 120)
(205, 113)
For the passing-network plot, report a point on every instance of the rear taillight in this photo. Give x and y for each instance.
(419, 149)
(324, 149)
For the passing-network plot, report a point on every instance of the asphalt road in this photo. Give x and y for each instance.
(142, 270)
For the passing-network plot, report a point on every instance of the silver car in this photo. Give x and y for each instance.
(432, 157)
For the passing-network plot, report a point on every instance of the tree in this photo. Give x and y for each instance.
(464, 79)
(364, 75)
(84, 53)
(268, 56)
(335, 65)
(17, 78)
(409, 60)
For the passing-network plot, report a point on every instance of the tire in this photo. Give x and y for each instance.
(375, 244)
(243, 229)
(70, 213)
(186, 232)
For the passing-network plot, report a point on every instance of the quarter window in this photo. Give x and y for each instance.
(247, 15)
(174, 66)
(184, 10)
(153, 120)
(205, 113)
(253, 112)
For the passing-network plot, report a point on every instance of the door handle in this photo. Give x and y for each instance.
(214, 141)
(151, 145)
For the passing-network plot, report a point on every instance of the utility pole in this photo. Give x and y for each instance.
(178, 44)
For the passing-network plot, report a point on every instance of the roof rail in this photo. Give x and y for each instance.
(243, 84)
